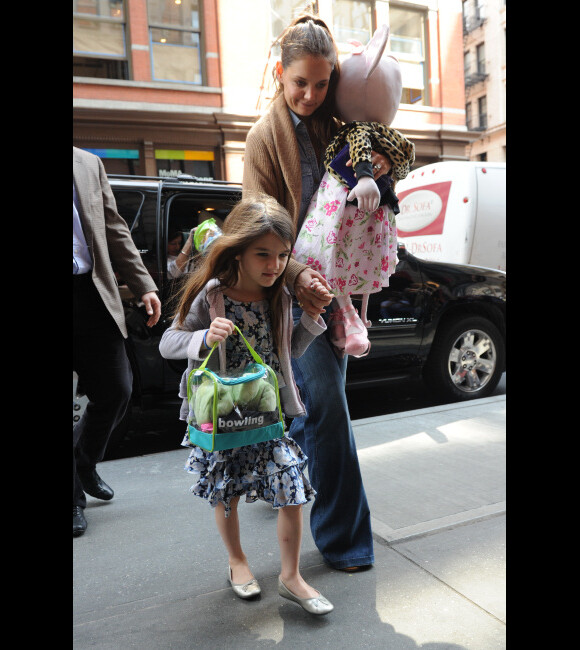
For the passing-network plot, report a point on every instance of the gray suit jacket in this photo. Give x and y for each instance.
(108, 236)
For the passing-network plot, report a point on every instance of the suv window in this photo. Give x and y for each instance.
(164, 212)
(138, 208)
(183, 211)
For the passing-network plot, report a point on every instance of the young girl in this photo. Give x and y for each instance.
(242, 281)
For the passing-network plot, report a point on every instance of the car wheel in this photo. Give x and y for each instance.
(466, 360)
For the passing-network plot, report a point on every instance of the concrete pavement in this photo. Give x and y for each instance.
(150, 572)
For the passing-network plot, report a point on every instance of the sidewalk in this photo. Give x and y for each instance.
(150, 572)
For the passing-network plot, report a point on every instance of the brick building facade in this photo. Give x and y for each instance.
(163, 86)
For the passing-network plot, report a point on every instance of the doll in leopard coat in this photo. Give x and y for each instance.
(349, 232)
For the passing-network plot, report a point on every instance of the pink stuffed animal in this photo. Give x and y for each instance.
(349, 232)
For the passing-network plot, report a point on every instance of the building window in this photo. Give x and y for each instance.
(172, 162)
(176, 40)
(466, 64)
(352, 20)
(282, 12)
(408, 45)
(468, 116)
(482, 111)
(99, 48)
(357, 20)
(473, 15)
(480, 52)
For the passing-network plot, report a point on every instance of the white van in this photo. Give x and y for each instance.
(455, 212)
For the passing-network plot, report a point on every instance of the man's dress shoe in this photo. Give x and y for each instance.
(94, 485)
(79, 521)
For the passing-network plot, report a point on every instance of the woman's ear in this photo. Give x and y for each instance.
(279, 69)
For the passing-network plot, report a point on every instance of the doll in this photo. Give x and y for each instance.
(349, 232)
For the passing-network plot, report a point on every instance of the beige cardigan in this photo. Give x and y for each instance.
(272, 165)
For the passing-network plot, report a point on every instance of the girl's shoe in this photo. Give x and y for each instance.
(318, 605)
(249, 589)
(357, 341)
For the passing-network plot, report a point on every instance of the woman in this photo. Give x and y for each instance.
(179, 258)
(283, 158)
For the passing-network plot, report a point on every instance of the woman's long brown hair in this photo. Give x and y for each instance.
(251, 218)
(308, 35)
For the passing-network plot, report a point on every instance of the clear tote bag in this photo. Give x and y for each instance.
(236, 408)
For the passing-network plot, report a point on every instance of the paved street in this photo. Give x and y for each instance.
(150, 572)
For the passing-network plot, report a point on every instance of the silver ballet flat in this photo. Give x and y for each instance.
(247, 590)
(318, 605)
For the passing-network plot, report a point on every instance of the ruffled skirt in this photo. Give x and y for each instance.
(272, 471)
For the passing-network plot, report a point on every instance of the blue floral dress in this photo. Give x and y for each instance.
(272, 471)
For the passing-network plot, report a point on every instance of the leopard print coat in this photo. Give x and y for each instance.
(364, 137)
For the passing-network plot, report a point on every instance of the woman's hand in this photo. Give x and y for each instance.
(381, 164)
(218, 331)
(313, 292)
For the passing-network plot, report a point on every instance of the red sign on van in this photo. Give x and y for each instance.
(423, 210)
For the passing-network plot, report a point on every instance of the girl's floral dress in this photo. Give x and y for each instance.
(356, 251)
(272, 471)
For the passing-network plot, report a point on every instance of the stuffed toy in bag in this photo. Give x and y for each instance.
(235, 403)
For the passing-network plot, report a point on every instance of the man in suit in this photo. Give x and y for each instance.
(102, 244)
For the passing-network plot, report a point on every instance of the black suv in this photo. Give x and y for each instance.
(443, 324)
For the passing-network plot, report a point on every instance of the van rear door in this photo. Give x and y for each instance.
(489, 237)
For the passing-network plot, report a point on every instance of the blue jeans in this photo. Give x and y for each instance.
(340, 515)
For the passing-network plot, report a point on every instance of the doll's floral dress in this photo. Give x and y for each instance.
(356, 251)
(272, 471)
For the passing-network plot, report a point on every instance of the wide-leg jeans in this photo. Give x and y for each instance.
(340, 515)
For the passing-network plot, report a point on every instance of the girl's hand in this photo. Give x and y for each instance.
(218, 331)
(313, 292)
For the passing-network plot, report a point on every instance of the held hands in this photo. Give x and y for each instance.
(313, 292)
(381, 164)
(218, 331)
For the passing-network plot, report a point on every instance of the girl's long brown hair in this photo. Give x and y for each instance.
(251, 218)
(308, 35)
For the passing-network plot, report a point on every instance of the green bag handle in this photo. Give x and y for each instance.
(255, 356)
